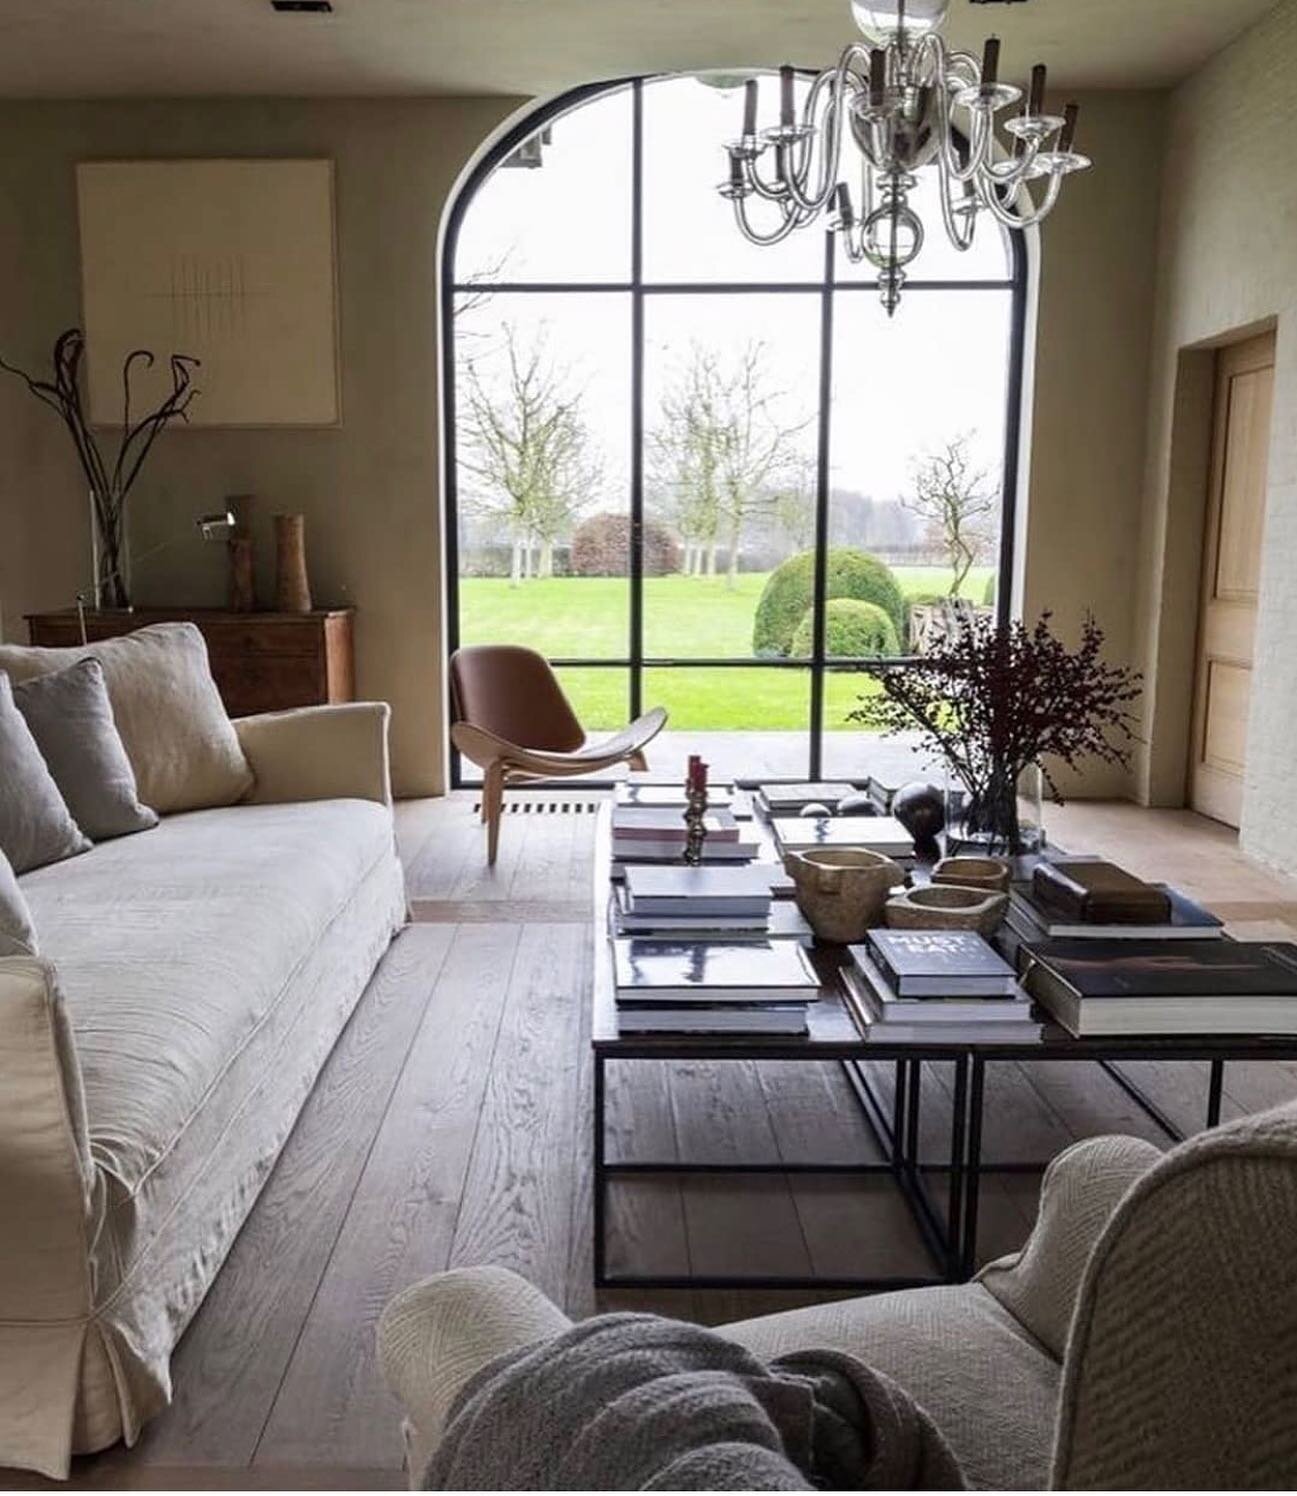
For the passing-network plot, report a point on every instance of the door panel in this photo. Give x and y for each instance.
(1231, 574)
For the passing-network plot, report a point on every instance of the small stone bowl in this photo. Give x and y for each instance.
(944, 906)
(990, 874)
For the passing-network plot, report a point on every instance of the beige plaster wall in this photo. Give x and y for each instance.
(1092, 350)
(369, 489)
(1228, 266)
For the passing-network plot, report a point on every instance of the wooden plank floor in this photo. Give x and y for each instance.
(451, 1126)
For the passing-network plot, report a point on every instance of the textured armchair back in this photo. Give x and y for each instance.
(1181, 1366)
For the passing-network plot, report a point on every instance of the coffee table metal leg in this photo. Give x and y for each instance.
(600, 1178)
(912, 1114)
(1215, 1086)
(976, 1096)
(954, 1210)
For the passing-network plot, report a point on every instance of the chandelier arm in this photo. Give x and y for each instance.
(791, 220)
(827, 132)
(771, 192)
(961, 236)
(1014, 218)
(1012, 173)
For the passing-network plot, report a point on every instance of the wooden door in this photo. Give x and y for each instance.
(1231, 574)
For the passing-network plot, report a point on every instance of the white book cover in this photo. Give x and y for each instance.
(876, 833)
(714, 890)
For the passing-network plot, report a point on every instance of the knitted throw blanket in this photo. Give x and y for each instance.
(631, 1402)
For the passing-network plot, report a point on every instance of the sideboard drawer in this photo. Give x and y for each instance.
(261, 662)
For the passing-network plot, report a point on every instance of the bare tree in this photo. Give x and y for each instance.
(957, 505)
(527, 451)
(721, 452)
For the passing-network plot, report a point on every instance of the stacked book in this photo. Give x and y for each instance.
(1087, 898)
(792, 799)
(656, 833)
(883, 834)
(928, 985)
(734, 902)
(713, 986)
(633, 792)
(1109, 987)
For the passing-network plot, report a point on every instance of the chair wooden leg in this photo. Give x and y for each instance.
(492, 807)
(637, 761)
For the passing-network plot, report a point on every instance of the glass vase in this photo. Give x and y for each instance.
(110, 558)
(1004, 818)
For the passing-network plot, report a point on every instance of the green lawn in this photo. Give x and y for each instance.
(684, 617)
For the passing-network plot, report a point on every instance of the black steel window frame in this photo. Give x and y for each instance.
(825, 290)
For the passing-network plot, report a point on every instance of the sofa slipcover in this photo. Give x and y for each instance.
(151, 1067)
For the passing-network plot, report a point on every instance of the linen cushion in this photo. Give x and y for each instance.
(173, 725)
(35, 824)
(17, 933)
(71, 719)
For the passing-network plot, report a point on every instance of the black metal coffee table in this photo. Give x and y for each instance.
(949, 1232)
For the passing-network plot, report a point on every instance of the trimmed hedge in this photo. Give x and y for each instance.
(601, 547)
(787, 595)
(851, 628)
(991, 588)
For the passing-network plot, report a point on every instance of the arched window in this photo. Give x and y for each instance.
(647, 417)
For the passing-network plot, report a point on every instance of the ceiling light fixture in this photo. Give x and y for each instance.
(909, 104)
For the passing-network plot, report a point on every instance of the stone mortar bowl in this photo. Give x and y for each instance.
(990, 874)
(944, 906)
(842, 890)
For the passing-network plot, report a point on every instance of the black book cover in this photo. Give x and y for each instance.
(1171, 968)
(936, 953)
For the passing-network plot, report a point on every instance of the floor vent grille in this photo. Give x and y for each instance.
(546, 807)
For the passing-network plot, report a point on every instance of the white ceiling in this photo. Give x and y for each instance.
(100, 48)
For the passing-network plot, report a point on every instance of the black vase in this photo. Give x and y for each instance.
(921, 809)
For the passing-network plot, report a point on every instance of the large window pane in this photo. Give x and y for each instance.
(746, 722)
(731, 390)
(918, 434)
(689, 229)
(542, 440)
(566, 216)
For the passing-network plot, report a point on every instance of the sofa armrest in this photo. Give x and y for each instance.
(318, 753)
(435, 1336)
(1081, 1189)
(46, 1173)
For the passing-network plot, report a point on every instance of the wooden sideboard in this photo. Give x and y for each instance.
(262, 662)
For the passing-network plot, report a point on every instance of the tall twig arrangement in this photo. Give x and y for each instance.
(996, 701)
(110, 482)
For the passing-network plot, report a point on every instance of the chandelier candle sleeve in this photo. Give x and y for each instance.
(900, 104)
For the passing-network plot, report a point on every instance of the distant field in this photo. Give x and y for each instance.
(684, 617)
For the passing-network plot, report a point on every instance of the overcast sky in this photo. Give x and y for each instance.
(901, 388)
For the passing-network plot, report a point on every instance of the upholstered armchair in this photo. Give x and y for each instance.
(1144, 1337)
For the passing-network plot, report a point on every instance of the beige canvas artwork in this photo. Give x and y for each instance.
(231, 262)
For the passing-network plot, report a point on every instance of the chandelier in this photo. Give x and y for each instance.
(908, 103)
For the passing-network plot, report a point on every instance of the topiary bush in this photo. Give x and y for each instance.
(851, 628)
(990, 590)
(601, 547)
(787, 595)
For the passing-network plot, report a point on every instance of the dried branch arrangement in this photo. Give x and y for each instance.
(996, 701)
(110, 484)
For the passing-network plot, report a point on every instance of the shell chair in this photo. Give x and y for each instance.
(513, 721)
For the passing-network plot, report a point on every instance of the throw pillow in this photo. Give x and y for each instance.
(35, 826)
(17, 933)
(72, 721)
(173, 724)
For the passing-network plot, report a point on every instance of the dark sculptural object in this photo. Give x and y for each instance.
(921, 809)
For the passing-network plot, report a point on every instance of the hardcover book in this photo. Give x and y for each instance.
(1186, 920)
(781, 799)
(776, 1018)
(1165, 986)
(893, 1007)
(698, 891)
(713, 971)
(883, 834)
(940, 963)
(659, 823)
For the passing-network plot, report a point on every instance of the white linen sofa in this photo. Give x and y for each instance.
(192, 981)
